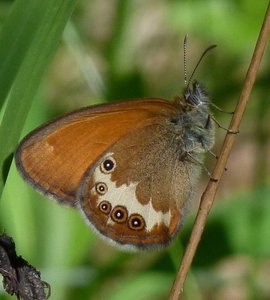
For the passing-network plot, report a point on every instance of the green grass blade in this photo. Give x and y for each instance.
(29, 38)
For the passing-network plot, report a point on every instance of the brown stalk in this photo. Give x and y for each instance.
(208, 196)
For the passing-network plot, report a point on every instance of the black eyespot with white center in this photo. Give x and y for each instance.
(119, 214)
(136, 222)
(101, 188)
(105, 207)
(108, 165)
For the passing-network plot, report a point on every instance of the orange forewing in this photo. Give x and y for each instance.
(54, 157)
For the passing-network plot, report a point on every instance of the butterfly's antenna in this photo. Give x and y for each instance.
(185, 60)
(198, 63)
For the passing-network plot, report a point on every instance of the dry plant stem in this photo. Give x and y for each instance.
(211, 189)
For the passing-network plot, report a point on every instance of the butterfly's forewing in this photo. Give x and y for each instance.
(136, 193)
(54, 157)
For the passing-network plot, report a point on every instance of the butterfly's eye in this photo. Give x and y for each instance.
(108, 165)
(119, 214)
(105, 207)
(101, 188)
(136, 222)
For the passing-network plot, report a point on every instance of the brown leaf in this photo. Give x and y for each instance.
(19, 277)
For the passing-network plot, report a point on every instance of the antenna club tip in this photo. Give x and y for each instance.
(213, 46)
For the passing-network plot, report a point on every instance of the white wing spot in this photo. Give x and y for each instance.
(125, 195)
(49, 147)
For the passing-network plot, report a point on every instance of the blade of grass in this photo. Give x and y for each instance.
(38, 27)
(13, 46)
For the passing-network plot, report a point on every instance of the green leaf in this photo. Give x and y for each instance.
(28, 40)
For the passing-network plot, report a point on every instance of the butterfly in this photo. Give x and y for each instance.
(129, 167)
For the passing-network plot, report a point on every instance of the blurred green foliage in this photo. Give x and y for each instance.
(125, 49)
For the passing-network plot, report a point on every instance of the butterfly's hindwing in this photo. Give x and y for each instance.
(133, 194)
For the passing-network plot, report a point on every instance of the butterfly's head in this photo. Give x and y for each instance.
(196, 95)
(194, 123)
